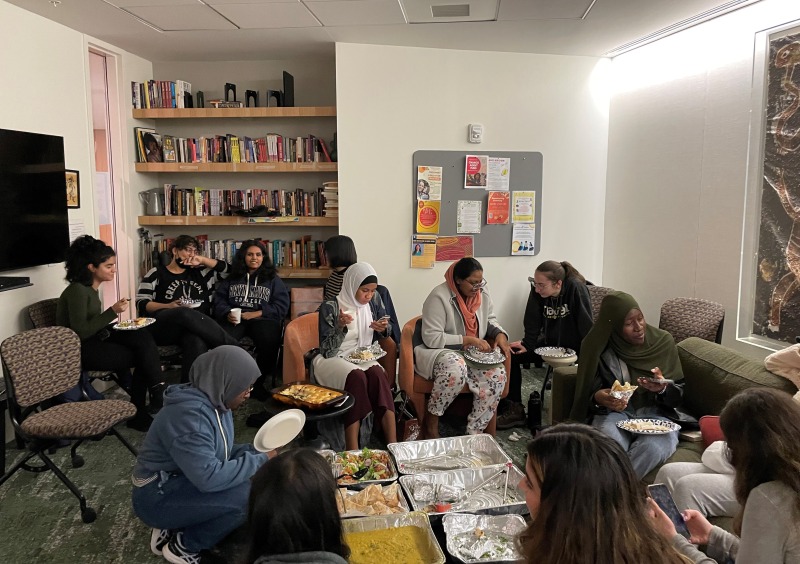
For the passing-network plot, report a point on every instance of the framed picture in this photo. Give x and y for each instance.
(769, 300)
(73, 189)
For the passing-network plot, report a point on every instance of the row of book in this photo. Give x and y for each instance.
(156, 148)
(298, 253)
(330, 199)
(199, 201)
(160, 94)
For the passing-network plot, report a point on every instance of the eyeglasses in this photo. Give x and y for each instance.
(539, 284)
(477, 286)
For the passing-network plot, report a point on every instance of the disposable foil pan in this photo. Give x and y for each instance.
(483, 538)
(354, 513)
(330, 457)
(431, 549)
(451, 453)
(458, 487)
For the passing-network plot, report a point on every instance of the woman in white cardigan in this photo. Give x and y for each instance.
(456, 315)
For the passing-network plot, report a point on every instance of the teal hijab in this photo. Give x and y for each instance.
(658, 349)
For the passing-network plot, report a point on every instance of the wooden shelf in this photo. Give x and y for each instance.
(317, 273)
(237, 167)
(216, 221)
(194, 113)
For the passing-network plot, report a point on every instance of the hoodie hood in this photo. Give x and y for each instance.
(223, 373)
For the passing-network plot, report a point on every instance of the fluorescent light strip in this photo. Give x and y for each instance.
(679, 26)
(134, 16)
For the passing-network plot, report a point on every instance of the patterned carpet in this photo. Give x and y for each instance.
(39, 517)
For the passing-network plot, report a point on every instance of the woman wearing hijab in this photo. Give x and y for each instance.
(622, 346)
(191, 482)
(356, 318)
(458, 314)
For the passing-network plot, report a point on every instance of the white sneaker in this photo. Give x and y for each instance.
(159, 538)
(175, 552)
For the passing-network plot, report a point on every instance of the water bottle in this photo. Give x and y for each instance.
(534, 411)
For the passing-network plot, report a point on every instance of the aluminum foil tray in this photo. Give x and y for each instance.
(451, 453)
(353, 514)
(422, 491)
(330, 457)
(414, 519)
(483, 538)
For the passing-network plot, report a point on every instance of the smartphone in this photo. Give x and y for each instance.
(386, 317)
(660, 494)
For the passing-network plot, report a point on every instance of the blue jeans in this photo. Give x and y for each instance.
(172, 502)
(645, 451)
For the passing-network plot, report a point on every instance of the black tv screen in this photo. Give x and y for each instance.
(34, 228)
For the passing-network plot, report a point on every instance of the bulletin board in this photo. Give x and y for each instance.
(493, 240)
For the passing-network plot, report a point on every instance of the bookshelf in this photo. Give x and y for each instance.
(239, 226)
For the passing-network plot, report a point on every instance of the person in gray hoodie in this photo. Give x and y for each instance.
(191, 481)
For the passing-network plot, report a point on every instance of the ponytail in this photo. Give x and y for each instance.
(559, 271)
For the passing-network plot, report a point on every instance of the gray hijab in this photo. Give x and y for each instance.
(223, 373)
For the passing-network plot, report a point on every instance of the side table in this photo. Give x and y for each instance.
(310, 433)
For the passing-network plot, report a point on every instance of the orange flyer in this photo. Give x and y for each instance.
(428, 216)
(497, 208)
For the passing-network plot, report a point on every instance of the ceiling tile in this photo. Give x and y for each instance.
(224, 2)
(356, 12)
(174, 18)
(421, 11)
(269, 15)
(542, 9)
(131, 3)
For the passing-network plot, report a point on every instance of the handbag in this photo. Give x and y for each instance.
(408, 428)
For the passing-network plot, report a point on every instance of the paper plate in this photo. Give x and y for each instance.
(554, 352)
(648, 426)
(280, 430)
(134, 324)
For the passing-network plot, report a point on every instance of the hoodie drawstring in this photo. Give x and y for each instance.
(221, 430)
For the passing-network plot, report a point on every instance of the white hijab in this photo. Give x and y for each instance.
(353, 277)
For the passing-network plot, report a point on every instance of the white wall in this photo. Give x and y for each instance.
(677, 156)
(393, 101)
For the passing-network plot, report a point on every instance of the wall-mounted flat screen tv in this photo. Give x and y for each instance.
(34, 228)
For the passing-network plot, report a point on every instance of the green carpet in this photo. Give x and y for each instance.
(39, 517)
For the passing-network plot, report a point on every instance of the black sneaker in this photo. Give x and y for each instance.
(514, 416)
(159, 539)
(175, 552)
(140, 422)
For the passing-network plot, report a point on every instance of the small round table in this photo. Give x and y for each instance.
(553, 362)
(310, 432)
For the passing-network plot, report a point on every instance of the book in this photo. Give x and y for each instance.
(170, 154)
(225, 104)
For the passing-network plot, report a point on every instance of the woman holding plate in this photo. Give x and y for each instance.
(623, 347)
(458, 314)
(356, 319)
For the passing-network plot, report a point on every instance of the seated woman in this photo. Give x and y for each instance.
(580, 489)
(255, 288)
(558, 314)
(621, 346)
(356, 319)
(458, 314)
(762, 426)
(163, 293)
(293, 497)
(90, 262)
(191, 481)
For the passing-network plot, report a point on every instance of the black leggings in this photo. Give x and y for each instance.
(515, 377)
(121, 351)
(266, 335)
(193, 331)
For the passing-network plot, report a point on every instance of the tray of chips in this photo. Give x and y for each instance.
(372, 500)
(450, 453)
(311, 396)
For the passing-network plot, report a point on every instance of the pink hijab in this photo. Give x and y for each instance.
(468, 307)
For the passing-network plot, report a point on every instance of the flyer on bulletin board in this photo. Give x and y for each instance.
(428, 217)
(475, 171)
(499, 175)
(469, 216)
(429, 183)
(423, 251)
(449, 249)
(522, 240)
(523, 205)
(497, 208)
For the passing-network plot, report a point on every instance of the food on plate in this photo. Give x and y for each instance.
(138, 322)
(375, 461)
(372, 500)
(366, 354)
(397, 545)
(641, 425)
(310, 393)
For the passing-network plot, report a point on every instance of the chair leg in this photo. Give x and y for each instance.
(77, 459)
(124, 441)
(21, 464)
(87, 513)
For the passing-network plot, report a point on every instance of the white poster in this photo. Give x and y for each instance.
(523, 239)
(499, 174)
(469, 216)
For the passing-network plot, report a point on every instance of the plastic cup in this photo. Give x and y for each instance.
(237, 314)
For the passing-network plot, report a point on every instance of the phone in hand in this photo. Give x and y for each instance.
(662, 497)
(386, 317)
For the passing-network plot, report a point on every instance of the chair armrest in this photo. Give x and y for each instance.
(563, 392)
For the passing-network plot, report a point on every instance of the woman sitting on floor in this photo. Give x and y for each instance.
(356, 318)
(179, 297)
(293, 497)
(623, 347)
(456, 315)
(254, 287)
(90, 262)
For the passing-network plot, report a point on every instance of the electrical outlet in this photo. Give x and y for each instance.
(475, 133)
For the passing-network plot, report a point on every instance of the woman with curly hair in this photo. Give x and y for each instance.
(587, 505)
(90, 262)
(256, 289)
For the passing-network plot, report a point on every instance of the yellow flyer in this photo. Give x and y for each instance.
(428, 216)
(423, 251)
(523, 206)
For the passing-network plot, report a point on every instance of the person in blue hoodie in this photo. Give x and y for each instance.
(191, 481)
(255, 288)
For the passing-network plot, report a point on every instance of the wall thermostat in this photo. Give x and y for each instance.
(475, 133)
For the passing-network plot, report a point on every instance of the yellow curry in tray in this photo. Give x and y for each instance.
(398, 545)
